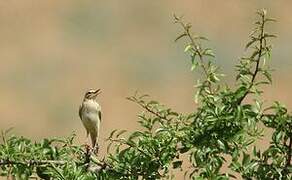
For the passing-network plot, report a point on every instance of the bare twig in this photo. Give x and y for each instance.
(87, 155)
(153, 112)
(148, 109)
(31, 162)
(254, 74)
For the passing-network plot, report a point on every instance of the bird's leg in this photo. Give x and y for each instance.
(96, 149)
(87, 145)
(87, 152)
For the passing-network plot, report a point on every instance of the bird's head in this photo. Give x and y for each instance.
(92, 94)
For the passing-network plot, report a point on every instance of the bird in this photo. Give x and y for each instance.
(90, 115)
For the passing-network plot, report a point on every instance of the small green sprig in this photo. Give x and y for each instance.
(255, 63)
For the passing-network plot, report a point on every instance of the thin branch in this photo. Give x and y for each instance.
(254, 74)
(153, 112)
(87, 157)
(31, 162)
(196, 48)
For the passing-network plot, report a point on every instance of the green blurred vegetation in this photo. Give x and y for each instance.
(51, 52)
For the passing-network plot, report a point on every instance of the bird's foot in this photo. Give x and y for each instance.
(96, 149)
(87, 148)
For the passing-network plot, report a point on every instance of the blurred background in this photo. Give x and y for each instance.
(51, 52)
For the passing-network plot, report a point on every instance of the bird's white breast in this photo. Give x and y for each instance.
(91, 109)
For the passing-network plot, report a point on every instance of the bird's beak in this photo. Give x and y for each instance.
(97, 92)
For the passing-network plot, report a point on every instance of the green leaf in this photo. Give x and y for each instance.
(269, 35)
(245, 159)
(112, 133)
(120, 133)
(188, 47)
(267, 75)
(251, 43)
(208, 52)
(194, 66)
(201, 37)
(270, 20)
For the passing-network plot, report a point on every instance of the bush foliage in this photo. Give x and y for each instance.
(221, 132)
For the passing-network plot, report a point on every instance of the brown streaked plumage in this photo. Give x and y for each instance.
(90, 115)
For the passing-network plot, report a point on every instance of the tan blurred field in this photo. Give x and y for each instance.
(52, 51)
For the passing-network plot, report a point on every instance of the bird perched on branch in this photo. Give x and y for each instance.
(90, 115)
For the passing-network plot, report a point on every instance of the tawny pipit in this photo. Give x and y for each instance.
(90, 115)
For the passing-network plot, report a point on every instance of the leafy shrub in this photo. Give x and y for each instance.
(222, 131)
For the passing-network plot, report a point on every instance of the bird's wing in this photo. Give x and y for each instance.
(99, 115)
(80, 111)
